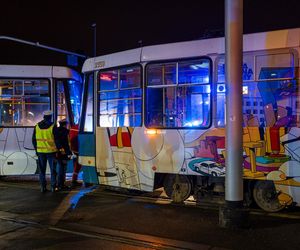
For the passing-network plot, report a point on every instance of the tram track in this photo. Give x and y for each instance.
(104, 234)
(164, 200)
(204, 204)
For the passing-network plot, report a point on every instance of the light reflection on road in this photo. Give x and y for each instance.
(76, 197)
(69, 202)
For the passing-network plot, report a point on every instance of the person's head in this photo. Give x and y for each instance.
(63, 123)
(48, 115)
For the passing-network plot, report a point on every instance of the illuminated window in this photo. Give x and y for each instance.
(75, 90)
(273, 89)
(61, 101)
(178, 94)
(275, 66)
(120, 97)
(22, 102)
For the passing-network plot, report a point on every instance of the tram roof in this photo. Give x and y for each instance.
(287, 38)
(38, 71)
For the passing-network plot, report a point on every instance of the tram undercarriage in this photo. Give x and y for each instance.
(208, 188)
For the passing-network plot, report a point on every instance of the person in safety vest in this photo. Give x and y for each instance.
(64, 153)
(43, 140)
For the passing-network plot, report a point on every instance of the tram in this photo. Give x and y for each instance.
(25, 93)
(154, 117)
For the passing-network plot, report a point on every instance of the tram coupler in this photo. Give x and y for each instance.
(234, 215)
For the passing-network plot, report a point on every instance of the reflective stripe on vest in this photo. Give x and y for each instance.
(45, 140)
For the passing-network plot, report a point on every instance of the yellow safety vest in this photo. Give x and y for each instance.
(45, 140)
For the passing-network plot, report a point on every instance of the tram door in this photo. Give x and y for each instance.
(67, 105)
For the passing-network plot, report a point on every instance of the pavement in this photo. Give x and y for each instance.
(94, 214)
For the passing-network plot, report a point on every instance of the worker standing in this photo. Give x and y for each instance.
(64, 153)
(43, 140)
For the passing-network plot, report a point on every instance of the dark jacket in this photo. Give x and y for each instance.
(62, 142)
(44, 124)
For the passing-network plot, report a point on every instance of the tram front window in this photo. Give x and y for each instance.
(75, 90)
(22, 102)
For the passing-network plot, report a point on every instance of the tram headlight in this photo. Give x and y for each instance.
(153, 132)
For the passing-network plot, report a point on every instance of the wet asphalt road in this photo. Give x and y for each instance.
(93, 218)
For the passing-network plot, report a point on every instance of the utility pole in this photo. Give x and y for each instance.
(233, 214)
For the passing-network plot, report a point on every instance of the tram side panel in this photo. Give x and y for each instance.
(17, 154)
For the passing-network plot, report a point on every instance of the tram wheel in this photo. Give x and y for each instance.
(177, 187)
(266, 197)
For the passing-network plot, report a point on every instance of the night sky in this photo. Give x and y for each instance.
(122, 24)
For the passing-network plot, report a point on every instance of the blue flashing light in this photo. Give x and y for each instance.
(192, 124)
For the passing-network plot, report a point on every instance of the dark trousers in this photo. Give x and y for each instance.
(61, 172)
(43, 158)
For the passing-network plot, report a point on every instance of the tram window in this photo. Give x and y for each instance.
(18, 87)
(284, 61)
(278, 96)
(161, 74)
(109, 80)
(89, 109)
(193, 72)
(22, 102)
(68, 92)
(247, 70)
(61, 101)
(35, 88)
(185, 101)
(221, 101)
(6, 88)
(75, 90)
(277, 99)
(130, 78)
(121, 107)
